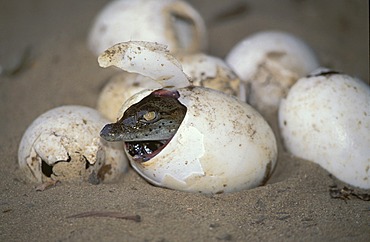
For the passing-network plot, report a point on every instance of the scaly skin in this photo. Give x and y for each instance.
(156, 117)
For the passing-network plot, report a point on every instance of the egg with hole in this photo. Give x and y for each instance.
(195, 139)
(64, 144)
(326, 119)
(174, 23)
(186, 137)
(270, 62)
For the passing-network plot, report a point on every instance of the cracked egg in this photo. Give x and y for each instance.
(186, 137)
(270, 62)
(172, 22)
(64, 144)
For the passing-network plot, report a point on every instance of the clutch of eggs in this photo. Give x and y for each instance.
(186, 137)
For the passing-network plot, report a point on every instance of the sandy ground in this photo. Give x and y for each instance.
(295, 205)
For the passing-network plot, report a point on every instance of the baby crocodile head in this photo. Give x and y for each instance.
(147, 126)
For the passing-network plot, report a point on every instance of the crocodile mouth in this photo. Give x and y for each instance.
(142, 151)
(148, 126)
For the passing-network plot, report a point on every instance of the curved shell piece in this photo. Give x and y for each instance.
(171, 22)
(271, 62)
(153, 59)
(64, 144)
(326, 119)
(222, 145)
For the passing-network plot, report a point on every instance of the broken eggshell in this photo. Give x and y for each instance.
(186, 137)
(326, 119)
(203, 70)
(171, 22)
(270, 62)
(64, 144)
(221, 145)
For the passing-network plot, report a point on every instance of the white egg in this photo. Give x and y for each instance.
(186, 137)
(270, 62)
(222, 144)
(64, 144)
(326, 119)
(171, 22)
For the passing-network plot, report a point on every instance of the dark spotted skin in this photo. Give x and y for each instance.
(166, 115)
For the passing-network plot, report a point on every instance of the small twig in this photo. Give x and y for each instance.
(362, 196)
(118, 215)
(345, 193)
(46, 185)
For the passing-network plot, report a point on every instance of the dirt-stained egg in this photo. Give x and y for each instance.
(64, 144)
(195, 139)
(326, 119)
(171, 22)
(212, 72)
(186, 137)
(270, 62)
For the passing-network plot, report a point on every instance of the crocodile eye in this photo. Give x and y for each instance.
(150, 116)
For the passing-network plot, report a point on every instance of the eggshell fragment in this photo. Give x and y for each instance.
(171, 22)
(64, 144)
(222, 145)
(270, 62)
(151, 58)
(326, 119)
